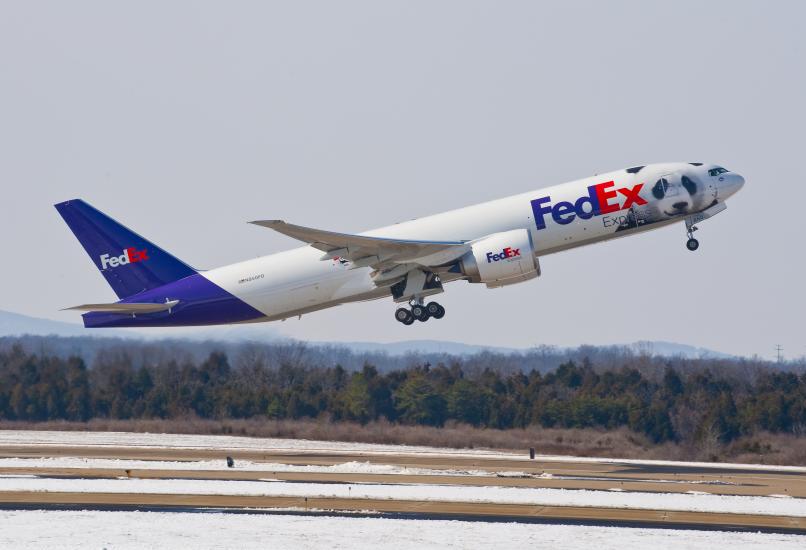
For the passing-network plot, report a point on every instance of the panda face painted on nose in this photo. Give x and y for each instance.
(674, 194)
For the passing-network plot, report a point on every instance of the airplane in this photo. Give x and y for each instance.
(497, 243)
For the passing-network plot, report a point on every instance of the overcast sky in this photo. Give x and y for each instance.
(184, 120)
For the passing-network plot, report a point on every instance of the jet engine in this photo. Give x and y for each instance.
(501, 259)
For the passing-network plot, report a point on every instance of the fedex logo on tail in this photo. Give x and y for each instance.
(129, 256)
(508, 252)
(602, 198)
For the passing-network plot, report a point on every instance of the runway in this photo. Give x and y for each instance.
(415, 509)
(308, 477)
(748, 481)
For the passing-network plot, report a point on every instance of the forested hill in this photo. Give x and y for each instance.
(665, 399)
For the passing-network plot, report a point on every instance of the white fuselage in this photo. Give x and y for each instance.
(298, 281)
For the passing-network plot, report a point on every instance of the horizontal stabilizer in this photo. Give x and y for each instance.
(121, 307)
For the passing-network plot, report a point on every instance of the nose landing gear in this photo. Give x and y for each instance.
(419, 312)
(692, 243)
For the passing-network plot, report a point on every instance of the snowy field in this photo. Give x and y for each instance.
(113, 530)
(351, 467)
(129, 530)
(696, 501)
(183, 441)
(233, 443)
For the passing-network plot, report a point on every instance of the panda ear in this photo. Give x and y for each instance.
(689, 185)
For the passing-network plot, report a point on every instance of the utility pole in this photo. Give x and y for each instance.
(779, 351)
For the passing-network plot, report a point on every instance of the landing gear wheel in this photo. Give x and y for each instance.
(435, 310)
(404, 316)
(420, 312)
(692, 244)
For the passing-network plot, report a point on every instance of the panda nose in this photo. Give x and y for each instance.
(680, 205)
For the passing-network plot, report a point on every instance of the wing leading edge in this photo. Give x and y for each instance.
(364, 250)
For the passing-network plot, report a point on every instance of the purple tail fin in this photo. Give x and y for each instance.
(129, 262)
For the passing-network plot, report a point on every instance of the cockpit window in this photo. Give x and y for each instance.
(716, 171)
(695, 163)
(634, 169)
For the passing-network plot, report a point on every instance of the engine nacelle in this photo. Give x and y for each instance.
(501, 259)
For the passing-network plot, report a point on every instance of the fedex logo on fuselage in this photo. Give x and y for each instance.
(602, 198)
(508, 252)
(129, 256)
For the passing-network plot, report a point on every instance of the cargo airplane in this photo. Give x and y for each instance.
(496, 243)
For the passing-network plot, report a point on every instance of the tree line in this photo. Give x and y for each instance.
(702, 403)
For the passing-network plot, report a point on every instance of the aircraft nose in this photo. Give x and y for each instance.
(729, 185)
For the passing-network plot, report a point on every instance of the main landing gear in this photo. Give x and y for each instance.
(419, 312)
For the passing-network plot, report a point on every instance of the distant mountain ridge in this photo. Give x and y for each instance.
(16, 324)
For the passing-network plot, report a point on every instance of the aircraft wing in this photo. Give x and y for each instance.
(122, 307)
(369, 251)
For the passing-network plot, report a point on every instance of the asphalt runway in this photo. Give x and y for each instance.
(421, 509)
(540, 473)
(530, 473)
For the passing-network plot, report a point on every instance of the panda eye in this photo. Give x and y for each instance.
(689, 185)
(659, 189)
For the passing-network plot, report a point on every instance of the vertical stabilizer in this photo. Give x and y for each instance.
(128, 262)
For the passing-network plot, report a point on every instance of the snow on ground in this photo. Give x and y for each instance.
(127, 530)
(698, 502)
(232, 443)
(223, 442)
(352, 467)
